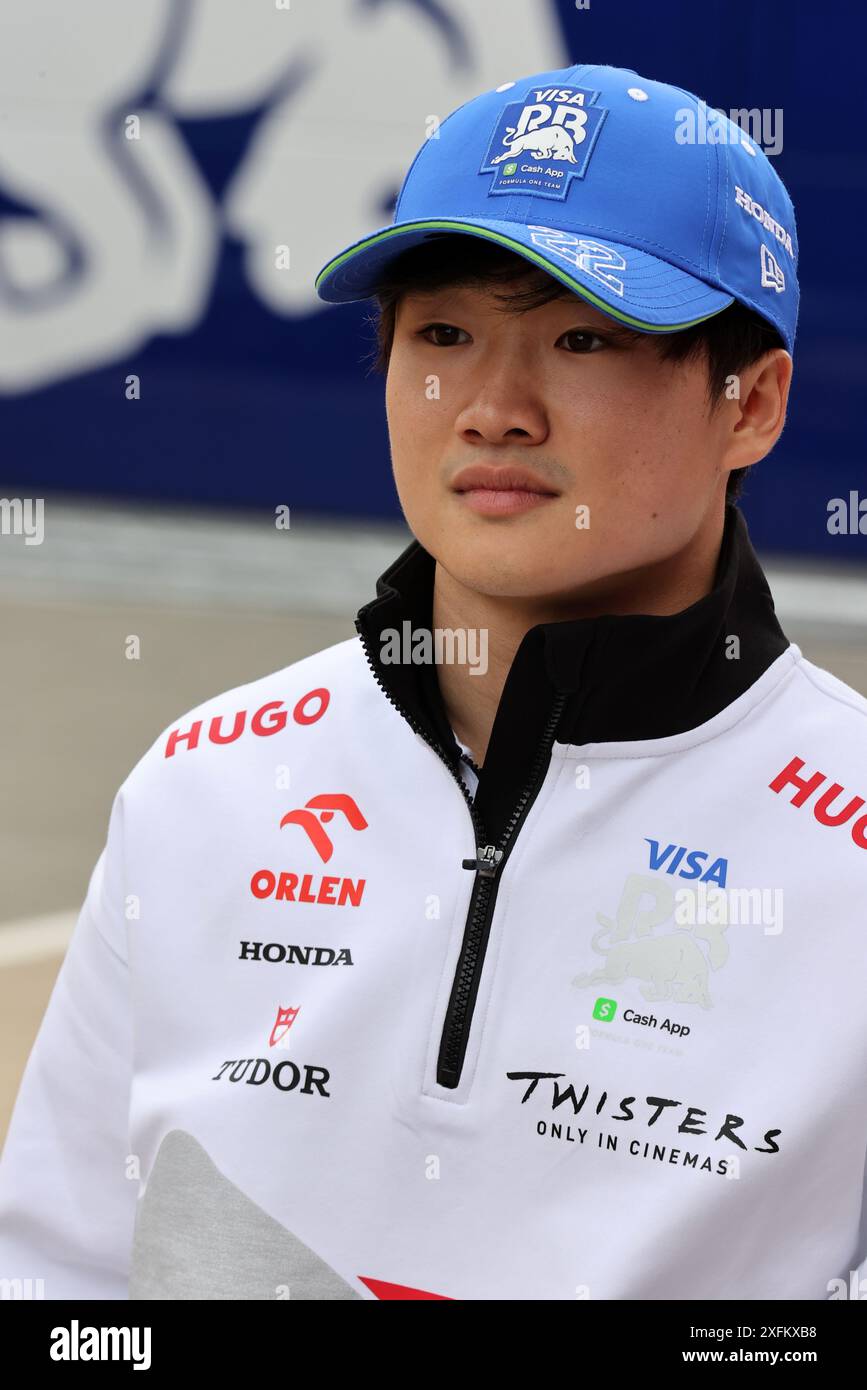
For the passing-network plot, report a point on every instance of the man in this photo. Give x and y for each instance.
(558, 937)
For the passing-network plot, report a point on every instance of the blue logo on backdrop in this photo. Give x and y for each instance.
(543, 141)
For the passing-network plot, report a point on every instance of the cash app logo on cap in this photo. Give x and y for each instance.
(605, 1009)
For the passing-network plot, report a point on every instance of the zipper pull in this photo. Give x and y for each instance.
(486, 862)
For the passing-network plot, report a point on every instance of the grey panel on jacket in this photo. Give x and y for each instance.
(198, 1236)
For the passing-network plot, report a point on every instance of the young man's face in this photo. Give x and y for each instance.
(565, 392)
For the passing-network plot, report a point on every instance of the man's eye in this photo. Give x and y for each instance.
(444, 328)
(583, 338)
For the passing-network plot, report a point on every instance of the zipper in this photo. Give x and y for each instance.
(488, 864)
(468, 760)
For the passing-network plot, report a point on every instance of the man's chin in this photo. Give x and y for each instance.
(509, 571)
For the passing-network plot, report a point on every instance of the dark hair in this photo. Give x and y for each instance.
(730, 340)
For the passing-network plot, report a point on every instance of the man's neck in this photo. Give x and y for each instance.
(471, 699)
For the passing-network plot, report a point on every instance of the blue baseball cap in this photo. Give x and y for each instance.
(635, 194)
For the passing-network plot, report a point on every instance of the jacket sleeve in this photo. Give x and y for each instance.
(67, 1201)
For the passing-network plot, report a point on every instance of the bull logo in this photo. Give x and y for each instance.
(672, 965)
(554, 142)
(283, 1022)
(319, 810)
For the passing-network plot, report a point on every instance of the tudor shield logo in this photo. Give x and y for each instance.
(283, 1022)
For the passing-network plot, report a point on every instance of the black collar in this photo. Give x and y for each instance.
(620, 677)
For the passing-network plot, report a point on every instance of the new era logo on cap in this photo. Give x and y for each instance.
(772, 276)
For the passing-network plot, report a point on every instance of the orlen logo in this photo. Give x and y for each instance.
(822, 808)
(324, 806)
(306, 888)
(671, 857)
(271, 718)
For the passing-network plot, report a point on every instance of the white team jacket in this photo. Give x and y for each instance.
(332, 1026)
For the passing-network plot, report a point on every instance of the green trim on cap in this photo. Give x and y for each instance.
(521, 250)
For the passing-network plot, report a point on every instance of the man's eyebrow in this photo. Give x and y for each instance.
(624, 335)
(618, 331)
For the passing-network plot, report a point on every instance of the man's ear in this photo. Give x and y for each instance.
(760, 411)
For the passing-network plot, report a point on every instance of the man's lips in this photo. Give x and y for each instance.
(501, 491)
(507, 478)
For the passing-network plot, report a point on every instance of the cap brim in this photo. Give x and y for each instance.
(632, 286)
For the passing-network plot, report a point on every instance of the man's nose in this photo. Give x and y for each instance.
(502, 402)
